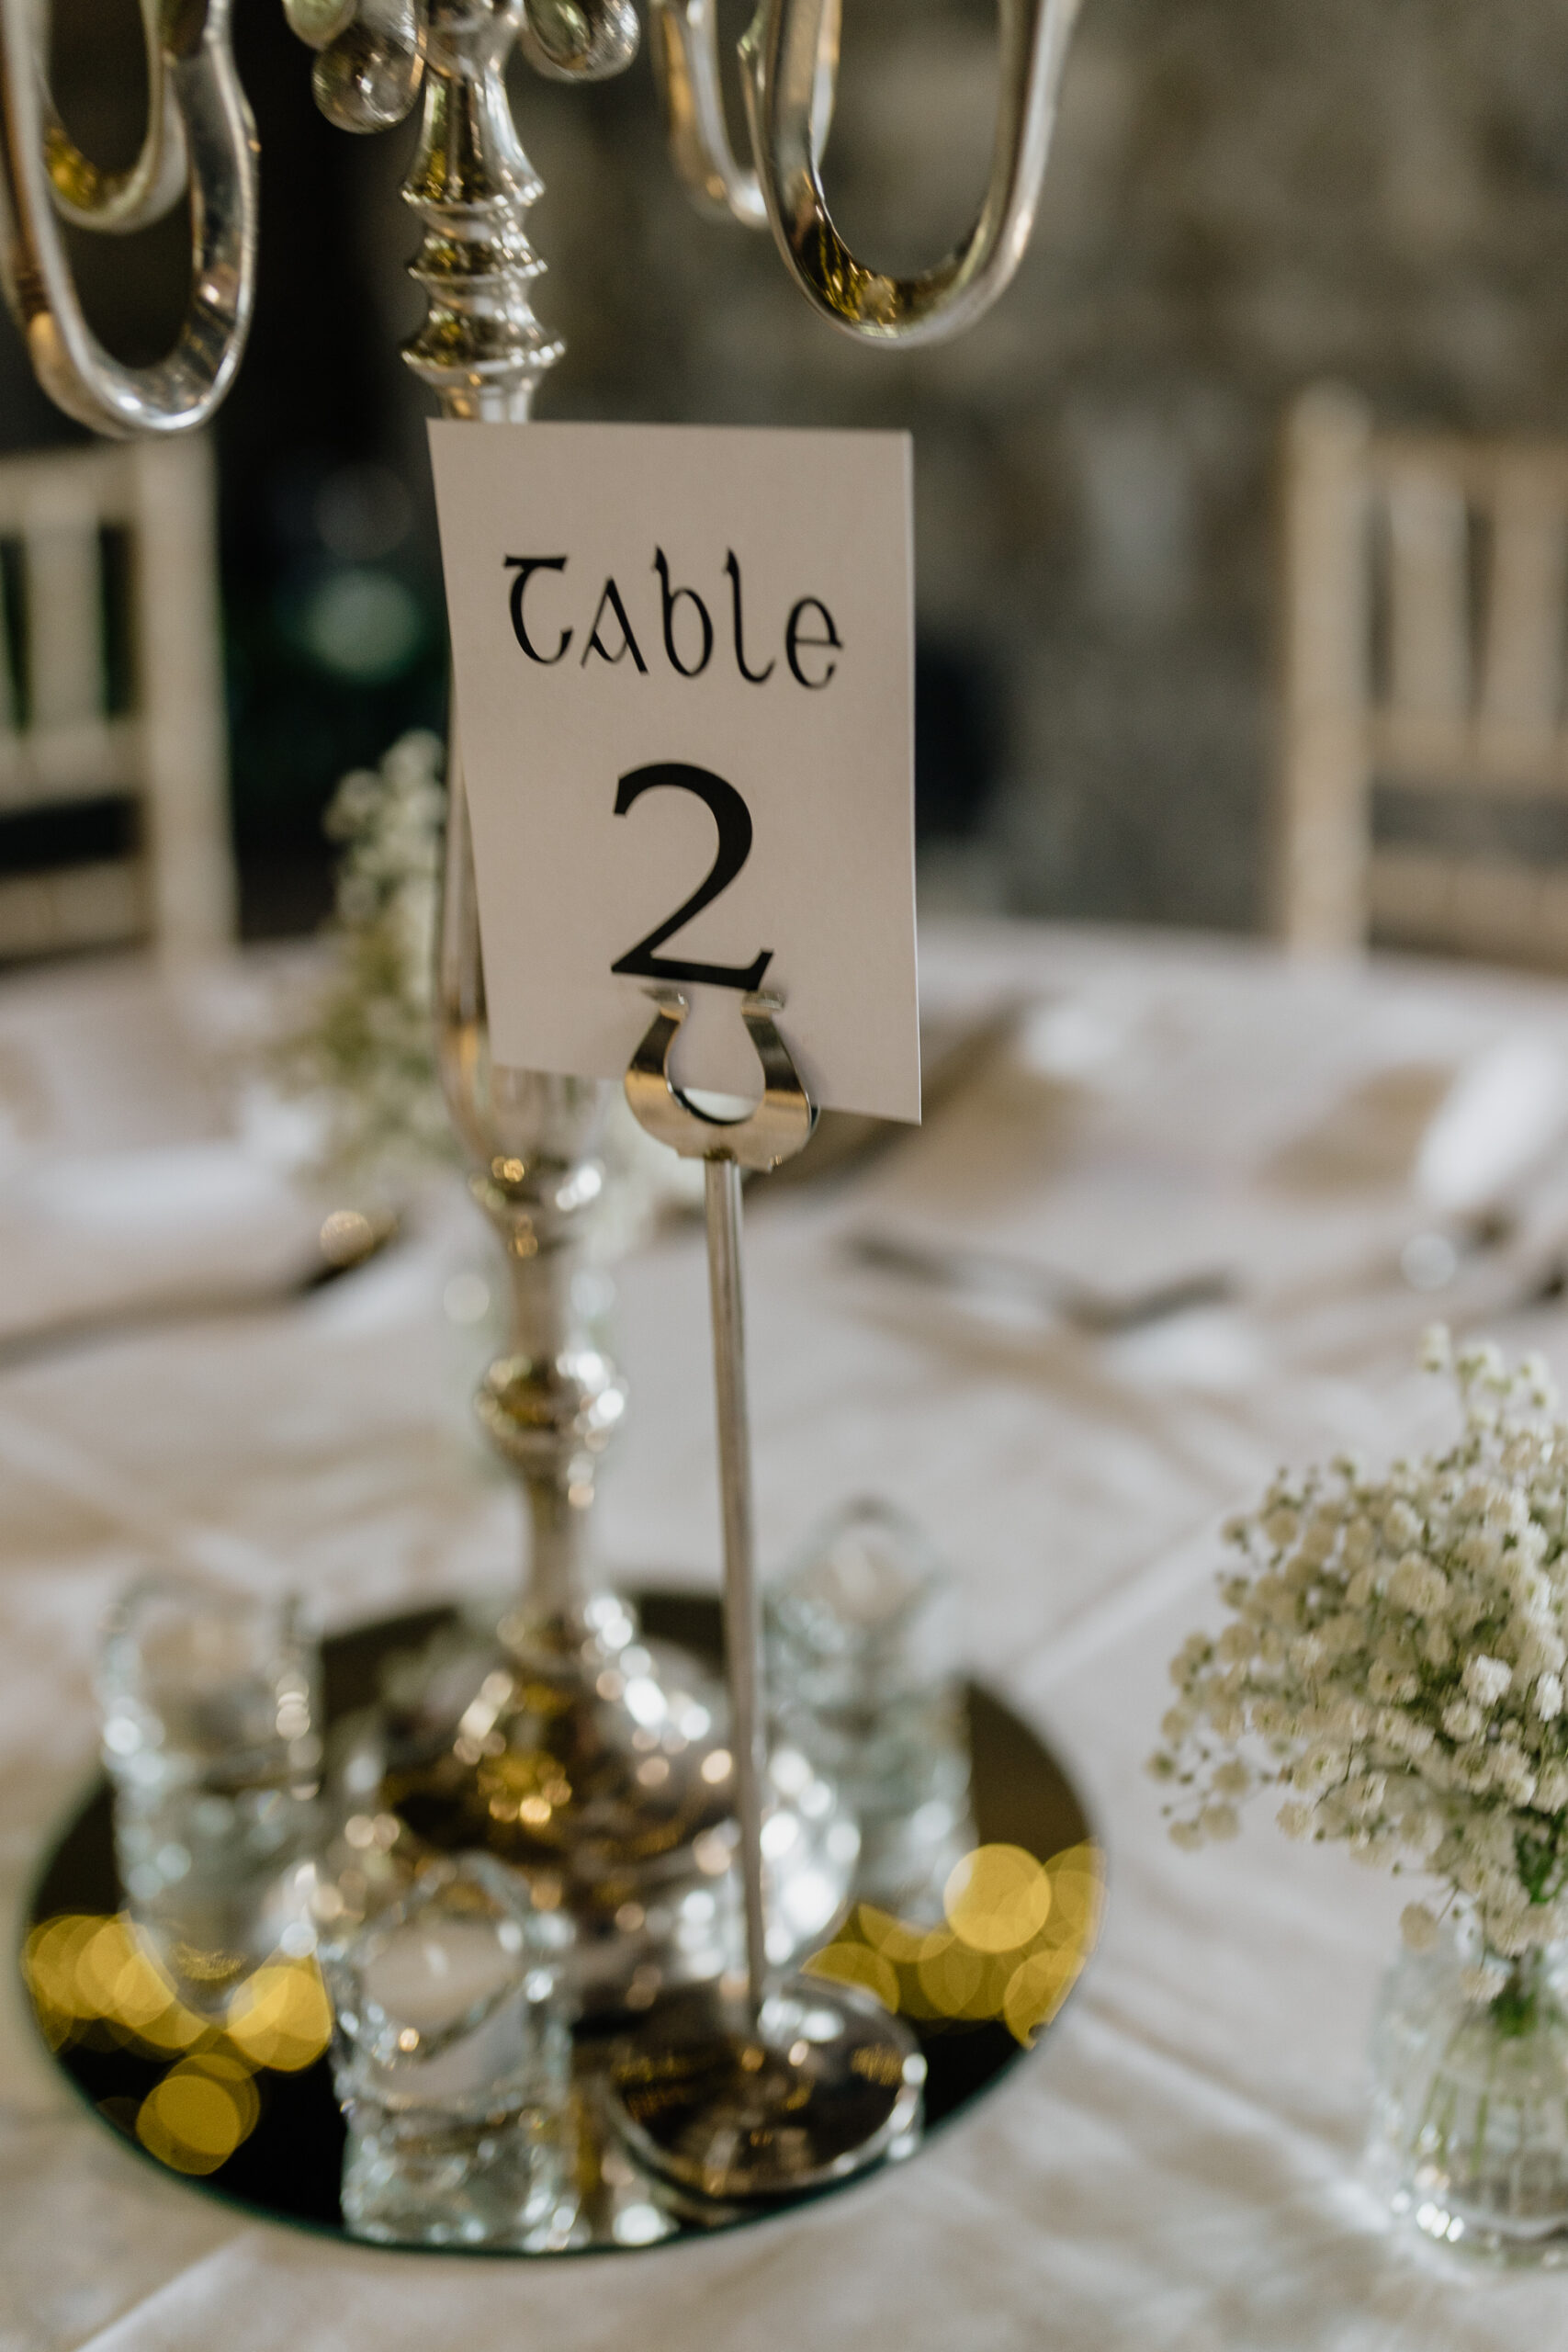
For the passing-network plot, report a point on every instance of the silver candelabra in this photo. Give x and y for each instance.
(626, 1813)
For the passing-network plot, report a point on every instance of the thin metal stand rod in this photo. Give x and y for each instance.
(742, 1603)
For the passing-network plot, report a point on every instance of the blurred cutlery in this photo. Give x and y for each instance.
(953, 1053)
(963, 1271)
(349, 1239)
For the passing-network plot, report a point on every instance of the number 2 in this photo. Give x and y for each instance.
(733, 818)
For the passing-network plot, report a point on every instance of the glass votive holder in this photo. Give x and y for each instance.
(210, 1702)
(861, 1640)
(451, 2062)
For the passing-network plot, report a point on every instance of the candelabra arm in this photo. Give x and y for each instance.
(198, 118)
(780, 54)
(685, 38)
(115, 203)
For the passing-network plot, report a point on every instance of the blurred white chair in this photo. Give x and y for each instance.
(105, 550)
(1423, 647)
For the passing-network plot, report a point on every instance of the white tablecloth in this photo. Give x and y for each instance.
(1177, 2167)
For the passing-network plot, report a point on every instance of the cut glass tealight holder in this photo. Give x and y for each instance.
(211, 1738)
(862, 1637)
(451, 2062)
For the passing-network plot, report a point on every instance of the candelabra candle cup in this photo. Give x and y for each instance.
(1469, 2135)
(862, 1636)
(451, 2062)
(211, 1738)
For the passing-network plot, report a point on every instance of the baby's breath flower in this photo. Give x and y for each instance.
(1395, 1657)
(1385, 1680)
(364, 1053)
(1417, 1926)
(1417, 1586)
(1401, 1525)
(1487, 1680)
(1512, 1772)
(1436, 1646)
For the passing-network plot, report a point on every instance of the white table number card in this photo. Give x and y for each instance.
(685, 679)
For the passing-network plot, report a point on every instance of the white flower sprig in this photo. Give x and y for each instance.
(361, 1052)
(1394, 1662)
(364, 1051)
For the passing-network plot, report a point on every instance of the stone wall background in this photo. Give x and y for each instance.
(1244, 195)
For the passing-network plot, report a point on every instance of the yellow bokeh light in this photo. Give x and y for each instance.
(140, 1998)
(53, 1957)
(174, 2029)
(895, 1939)
(100, 1958)
(86, 1970)
(1037, 1988)
(950, 1975)
(1078, 1890)
(85, 1967)
(1018, 1931)
(855, 1963)
(997, 1898)
(196, 2118)
(48, 1963)
(281, 2017)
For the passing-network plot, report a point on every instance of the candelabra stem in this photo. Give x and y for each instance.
(595, 1760)
(480, 349)
(551, 1404)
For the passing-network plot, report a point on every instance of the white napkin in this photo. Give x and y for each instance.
(1128, 1146)
(86, 1234)
(1501, 1116)
(120, 1186)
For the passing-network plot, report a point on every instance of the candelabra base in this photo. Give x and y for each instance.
(597, 1767)
(740, 2104)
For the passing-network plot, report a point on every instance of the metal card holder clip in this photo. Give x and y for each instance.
(780, 1125)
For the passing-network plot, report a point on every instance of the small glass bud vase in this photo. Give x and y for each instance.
(1469, 2116)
